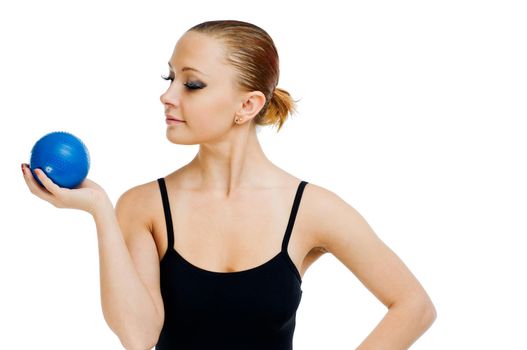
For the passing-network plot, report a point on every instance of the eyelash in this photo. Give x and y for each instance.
(189, 85)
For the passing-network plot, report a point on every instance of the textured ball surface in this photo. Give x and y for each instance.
(63, 157)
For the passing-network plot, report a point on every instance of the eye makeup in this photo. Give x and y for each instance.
(191, 85)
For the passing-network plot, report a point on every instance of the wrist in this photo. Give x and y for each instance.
(102, 206)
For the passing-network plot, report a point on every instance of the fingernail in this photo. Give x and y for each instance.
(23, 169)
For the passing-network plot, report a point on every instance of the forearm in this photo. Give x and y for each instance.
(127, 305)
(402, 325)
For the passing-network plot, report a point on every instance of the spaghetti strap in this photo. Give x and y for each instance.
(292, 216)
(168, 216)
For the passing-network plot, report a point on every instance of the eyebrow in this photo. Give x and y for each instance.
(187, 68)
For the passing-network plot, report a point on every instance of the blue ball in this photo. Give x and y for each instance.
(63, 157)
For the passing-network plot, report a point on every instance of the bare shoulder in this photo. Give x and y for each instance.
(323, 206)
(337, 227)
(337, 224)
(141, 191)
(138, 200)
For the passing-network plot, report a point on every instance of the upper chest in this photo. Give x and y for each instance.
(236, 234)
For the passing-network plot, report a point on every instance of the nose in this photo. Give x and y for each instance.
(169, 96)
(164, 98)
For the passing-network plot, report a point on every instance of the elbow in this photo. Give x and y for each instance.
(428, 309)
(426, 312)
(430, 313)
(135, 336)
(422, 309)
(131, 344)
(140, 341)
(138, 344)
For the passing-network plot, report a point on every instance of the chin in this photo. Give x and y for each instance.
(179, 140)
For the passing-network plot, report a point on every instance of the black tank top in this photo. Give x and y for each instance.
(252, 309)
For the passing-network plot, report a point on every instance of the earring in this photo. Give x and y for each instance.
(238, 120)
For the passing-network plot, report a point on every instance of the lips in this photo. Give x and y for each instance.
(169, 117)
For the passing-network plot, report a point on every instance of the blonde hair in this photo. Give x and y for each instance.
(251, 51)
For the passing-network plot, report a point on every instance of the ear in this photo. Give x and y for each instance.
(252, 103)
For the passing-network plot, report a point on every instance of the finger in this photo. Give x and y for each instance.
(34, 186)
(47, 182)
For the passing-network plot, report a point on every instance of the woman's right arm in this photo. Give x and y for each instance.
(128, 260)
(129, 272)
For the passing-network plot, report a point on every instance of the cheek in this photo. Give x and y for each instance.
(212, 111)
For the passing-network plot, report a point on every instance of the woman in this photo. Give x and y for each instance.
(212, 256)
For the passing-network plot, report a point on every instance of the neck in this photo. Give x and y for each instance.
(230, 165)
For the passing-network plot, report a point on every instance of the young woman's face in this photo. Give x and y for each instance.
(202, 91)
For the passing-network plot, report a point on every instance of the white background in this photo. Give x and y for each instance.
(411, 111)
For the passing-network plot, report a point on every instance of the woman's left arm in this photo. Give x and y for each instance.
(342, 231)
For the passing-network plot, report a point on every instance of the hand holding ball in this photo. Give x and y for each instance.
(63, 157)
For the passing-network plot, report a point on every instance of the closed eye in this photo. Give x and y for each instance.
(192, 85)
